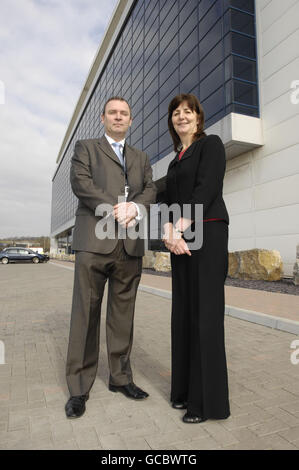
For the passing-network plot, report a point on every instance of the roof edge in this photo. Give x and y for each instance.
(102, 49)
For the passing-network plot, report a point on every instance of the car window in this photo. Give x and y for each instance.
(23, 252)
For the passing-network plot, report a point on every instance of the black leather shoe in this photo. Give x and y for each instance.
(75, 406)
(130, 391)
(179, 405)
(191, 418)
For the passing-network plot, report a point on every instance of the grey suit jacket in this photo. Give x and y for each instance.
(97, 178)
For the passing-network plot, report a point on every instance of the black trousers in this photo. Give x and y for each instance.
(199, 370)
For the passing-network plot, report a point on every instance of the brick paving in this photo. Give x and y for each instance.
(35, 302)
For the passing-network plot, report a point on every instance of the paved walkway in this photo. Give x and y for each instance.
(35, 302)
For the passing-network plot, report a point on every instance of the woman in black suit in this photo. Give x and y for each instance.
(195, 176)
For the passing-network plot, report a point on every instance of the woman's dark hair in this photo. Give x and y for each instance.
(194, 105)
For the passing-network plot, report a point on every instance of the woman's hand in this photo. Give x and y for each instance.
(174, 242)
(180, 247)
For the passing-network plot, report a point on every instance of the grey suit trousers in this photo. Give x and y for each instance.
(91, 273)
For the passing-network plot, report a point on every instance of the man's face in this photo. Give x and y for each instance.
(117, 119)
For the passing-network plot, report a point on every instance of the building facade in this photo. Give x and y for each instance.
(239, 57)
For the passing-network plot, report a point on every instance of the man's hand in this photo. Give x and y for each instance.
(125, 213)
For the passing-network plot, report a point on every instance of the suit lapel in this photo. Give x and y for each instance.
(106, 148)
(129, 156)
(174, 161)
(188, 152)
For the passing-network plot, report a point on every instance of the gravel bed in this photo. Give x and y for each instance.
(284, 286)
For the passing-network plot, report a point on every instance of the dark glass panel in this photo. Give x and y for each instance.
(137, 44)
(245, 110)
(213, 119)
(228, 92)
(212, 59)
(165, 8)
(244, 68)
(151, 11)
(210, 18)
(169, 19)
(138, 79)
(138, 66)
(152, 62)
(210, 39)
(151, 90)
(226, 22)
(165, 142)
(189, 25)
(152, 150)
(138, 119)
(204, 6)
(168, 53)
(211, 82)
(188, 63)
(227, 45)
(137, 108)
(169, 85)
(150, 120)
(228, 68)
(151, 76)
(136, 94)
(169, 36)
(214, 103)
(246, 5)
(151, 39)
(245, 93)
(190, 81)
(243, 45)
(150, 136)
(163, 124)
(169, 69)
(189, 44)
(151, 104)
(163, 105)
(188, 9)
(136, 134)
(242, 22)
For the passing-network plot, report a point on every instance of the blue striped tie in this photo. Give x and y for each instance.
(117, 150)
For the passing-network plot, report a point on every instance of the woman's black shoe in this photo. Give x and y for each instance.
(191, 418)
(179, 405)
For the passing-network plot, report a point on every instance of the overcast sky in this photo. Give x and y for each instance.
(46, 50)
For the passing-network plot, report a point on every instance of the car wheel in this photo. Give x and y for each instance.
(35, 260)
(4, 260)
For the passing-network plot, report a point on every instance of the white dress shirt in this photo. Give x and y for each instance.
(122, 144)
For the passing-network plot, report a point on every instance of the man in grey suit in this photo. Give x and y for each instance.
(102, 171)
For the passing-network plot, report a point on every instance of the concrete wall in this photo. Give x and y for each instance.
(261, 187)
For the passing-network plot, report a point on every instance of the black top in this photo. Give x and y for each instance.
(198, 178)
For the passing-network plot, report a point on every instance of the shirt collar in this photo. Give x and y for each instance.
(112, 141)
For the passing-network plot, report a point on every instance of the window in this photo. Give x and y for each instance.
(166, 47)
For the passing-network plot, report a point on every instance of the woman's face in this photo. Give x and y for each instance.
(184, 120)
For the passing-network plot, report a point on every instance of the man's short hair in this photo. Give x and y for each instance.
(117, 98)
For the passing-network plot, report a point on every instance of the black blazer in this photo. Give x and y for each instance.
(198, 178)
